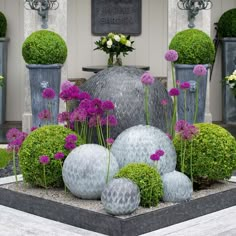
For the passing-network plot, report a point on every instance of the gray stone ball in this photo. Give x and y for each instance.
(84, 170)
(120, 197)
(138, 143)
(122, 85)
(177, 187)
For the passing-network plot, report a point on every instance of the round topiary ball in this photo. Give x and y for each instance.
(44, 47)
(47, 140)
(3, 25)
(148, 180)
(193, 47)
(213, 154)
(227, 24)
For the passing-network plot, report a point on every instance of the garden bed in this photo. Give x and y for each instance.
(63, 207)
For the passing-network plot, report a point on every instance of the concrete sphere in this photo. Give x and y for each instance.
(122, 85)
(120, 197)
(138, 143)
(177, 187)
(85, 169)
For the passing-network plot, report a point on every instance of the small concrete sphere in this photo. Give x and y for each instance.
(84, 170)
(120, 197)
(177, 187)
(138, 143)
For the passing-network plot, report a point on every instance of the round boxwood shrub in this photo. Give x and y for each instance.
(47, 140)
(193, 47)
(227, 24)
(148, 181)
(213, 155)
(44, 47)
(5, 157)
(3, 25)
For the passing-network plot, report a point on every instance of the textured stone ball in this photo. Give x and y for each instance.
(122, 85)
(84, 171)
(138, 143)
(177, 187)
(120, 197)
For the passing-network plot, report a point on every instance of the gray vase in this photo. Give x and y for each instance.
(120, 197)
(41, 77)
(3, 72)
(85, 170)
(228, 66)
(184, 73)
(138, 143)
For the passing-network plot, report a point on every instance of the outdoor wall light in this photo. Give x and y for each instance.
(42, 6)
(193, 7)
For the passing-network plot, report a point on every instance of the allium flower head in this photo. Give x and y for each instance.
(160, 152)
(181, 125)
(164, 102)
(70, 146)
(109, 141)
(71, 138)
(200, 70)
(112, 121)
(185, 85)
(107, 105)
(79, 114)
(12, 134)
(44, 159)
(174, 92)
(59, 155)
(33, 128)
(92, 121)
(48, 93)
(85, 104)
(44, 115)
(63, 117)
(147, 78)
(66, 84)
(155, 157)
(84, 95)
(171, 55)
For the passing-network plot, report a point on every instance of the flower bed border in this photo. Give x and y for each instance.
(110, 225)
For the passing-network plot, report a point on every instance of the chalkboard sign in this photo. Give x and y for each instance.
(119, 16)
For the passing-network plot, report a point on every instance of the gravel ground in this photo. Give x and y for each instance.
(8, 170)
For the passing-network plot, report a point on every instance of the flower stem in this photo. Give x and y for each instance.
(191, 161)
(174, 118)
(44, 176)
(14, 165)
(185, 105)
(173, 75)
(146, 105)
(196, 104)
(108, 166)
(183, 159)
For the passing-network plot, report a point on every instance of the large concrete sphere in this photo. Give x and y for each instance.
(177, 187)
(138, 143)
(123, 86)
(120, 197)
(85, 169)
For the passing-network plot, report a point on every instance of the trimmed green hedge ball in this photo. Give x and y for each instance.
(3, 25)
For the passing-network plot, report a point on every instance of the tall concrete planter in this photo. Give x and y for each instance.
(228, 66)
(3, 72)
(184, 73)
(41, 77)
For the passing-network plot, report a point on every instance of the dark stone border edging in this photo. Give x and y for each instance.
(110, 225)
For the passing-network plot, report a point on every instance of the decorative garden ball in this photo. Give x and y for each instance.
(122, 85)
(138, 143)
(85, 170)
(120, 197)
(177, 187)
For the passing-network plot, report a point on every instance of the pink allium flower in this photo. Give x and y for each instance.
(171, 55)
(66, 84)
(44, 115)
(48, 93)
(63, 117)
(185, 85)
(71, 138)
(109, 141)
(44, 159)
(84, 95)
(147, 78)
(79, 114)
(199, 70)
(155, 157)
(85, 104)
(92, 121)
(169, 136)
(174, 92)
(33, 128)
(12, 134)
(189, 132)
(181, 125)
(160, 152)
(59, 155)
(107, 105)
(70, 146)
(164, 102)
(96, 104)
(65, 95)
(112, 121)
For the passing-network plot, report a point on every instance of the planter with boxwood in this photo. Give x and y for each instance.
(44, 51)
(3, 66)
(193, 47)
(227, 34)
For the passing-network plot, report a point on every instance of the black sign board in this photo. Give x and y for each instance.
(118, 16)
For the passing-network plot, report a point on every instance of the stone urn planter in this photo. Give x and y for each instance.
(45, 52)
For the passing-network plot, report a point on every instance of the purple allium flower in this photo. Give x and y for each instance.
(59, 155)
(33, 128)
(185, 85)
(147, 78)
(48, 93)
(12, 134)
(70, 146)
(107, 105)
(109, 141)
(92, 121)
(63, 117)
(44, 159)
(155, 157)
(160, 152)
(66, 84)
(177, 83)
(84, 95)
(85, 104)
(112, 121)
(44, 115)
(171, 55)
(169, 136)
(164, 102)
(199, 70)
(79, 114)
(71, 138)
(65, 95)
(174, 92)
(189, 132)
(74, 92)
(96, 105)
(181, 125)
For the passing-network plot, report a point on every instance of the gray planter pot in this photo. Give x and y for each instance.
(3, 72)
(41, 77)
(184, 73)
(228, 66)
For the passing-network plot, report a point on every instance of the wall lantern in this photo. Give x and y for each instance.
(193, 7)
(42, 6)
